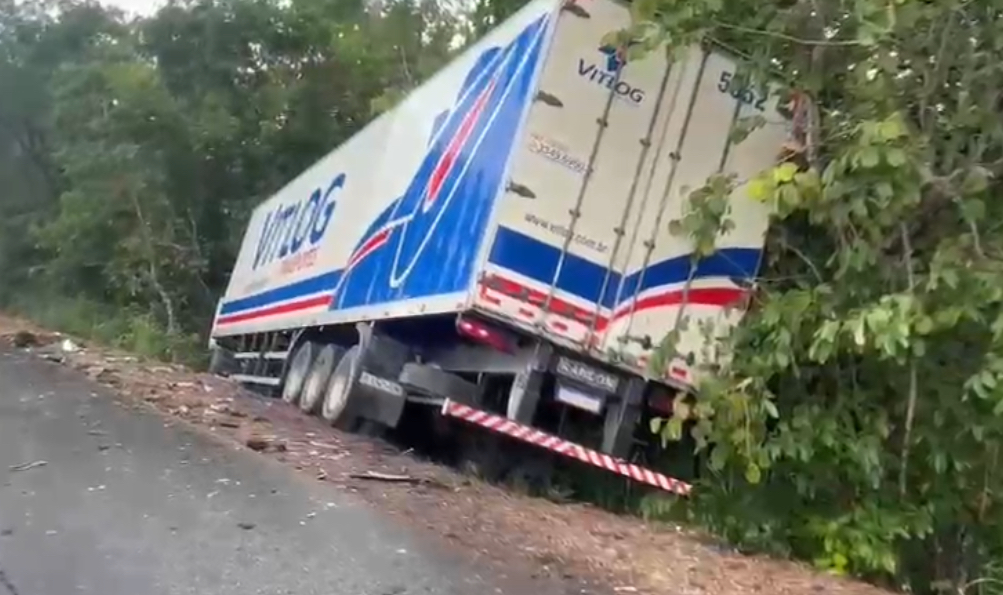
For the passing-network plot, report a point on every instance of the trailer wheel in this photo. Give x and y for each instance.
(524, 396)
(320, 375)
(531, 471)
(482, 455)
(621, 420)
(221, 362)
(342, 386)
(297, 371)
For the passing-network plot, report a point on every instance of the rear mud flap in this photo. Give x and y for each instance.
(377, 399)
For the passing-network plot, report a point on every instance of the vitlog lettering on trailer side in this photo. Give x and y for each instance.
(605, 75)
(290, 227)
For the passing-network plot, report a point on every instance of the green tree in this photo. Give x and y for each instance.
(33, 45)
(860, 423)
(133, 151)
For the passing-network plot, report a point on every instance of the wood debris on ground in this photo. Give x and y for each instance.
(513, 531)
(27, 466)
(389, 477)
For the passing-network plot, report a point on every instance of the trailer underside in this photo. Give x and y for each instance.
(465, 368)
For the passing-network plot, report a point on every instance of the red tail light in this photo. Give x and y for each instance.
(486, 334)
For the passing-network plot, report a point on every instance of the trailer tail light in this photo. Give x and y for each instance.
(486, 334)
(660, 401)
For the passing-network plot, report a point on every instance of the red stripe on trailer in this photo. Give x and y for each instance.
(288, 308)
(508, 427)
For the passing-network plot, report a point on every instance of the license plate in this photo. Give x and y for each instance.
(587, 374)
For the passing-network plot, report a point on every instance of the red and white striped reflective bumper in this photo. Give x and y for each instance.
(508, 427)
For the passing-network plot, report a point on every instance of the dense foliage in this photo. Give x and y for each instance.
(133, 149)
(860, 424)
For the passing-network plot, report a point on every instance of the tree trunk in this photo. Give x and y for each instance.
(153, 271)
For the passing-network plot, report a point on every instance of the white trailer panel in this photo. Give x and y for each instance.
(583, 253)
(533, 179)
(391, 223)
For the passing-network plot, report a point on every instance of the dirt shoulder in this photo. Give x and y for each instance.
(623, 553)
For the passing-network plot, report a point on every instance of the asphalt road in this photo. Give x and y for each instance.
(126, 506)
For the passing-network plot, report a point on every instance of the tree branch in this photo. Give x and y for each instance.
(801, 255)
(165, 298)
(913, 384)
(405, 68)
(786, 37)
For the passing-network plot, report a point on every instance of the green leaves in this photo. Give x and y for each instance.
(784, 173)
(705, 215)
(882, 142)
(884, 256)
(861, 541)
(644, 10)
(186, 120)
(873, 156)
(138, 149)
(890, 129)
(868, 157)
(785, 188)
(745, 126)
(976, 180)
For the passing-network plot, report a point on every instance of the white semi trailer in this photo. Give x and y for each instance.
(497, 246)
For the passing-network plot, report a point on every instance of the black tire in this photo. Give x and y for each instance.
(221, 362)
(482, 455)
(366, 427)
(296, 372)
(524, 396)
(619, 427)
(315, 387)
(530, 471)
(341, 387)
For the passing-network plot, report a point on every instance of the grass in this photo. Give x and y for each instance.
(131, 330)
